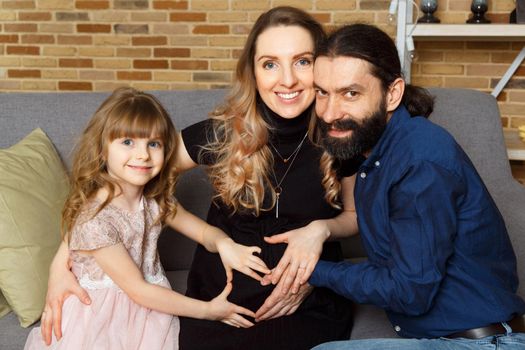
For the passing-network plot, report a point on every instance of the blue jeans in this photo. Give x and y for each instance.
(509, 341)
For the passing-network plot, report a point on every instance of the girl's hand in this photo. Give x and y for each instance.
(222, 310)
(239, 257)
(305, 245)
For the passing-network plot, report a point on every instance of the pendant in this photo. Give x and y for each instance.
(278, 191)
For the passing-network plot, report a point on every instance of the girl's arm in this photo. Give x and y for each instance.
(305, 244)
(61, 284)
(233, 255)
(118, 265)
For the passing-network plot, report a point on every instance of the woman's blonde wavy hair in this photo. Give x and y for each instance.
(239, 144)
(126, 113)
(331, 181)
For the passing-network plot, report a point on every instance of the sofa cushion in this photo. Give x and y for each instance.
(33, 186)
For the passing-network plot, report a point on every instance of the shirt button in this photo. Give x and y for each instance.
(377, 163)
(363, 175)
(397, 328)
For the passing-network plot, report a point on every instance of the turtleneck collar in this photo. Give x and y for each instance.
(284, 127)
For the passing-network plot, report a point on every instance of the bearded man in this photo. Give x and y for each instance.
(440, 261)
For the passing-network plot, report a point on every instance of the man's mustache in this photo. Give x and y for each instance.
(341, 125)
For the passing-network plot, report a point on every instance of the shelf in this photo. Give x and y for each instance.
(472, 32)
(456, 32)
(515, 145)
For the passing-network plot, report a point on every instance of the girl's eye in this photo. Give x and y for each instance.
(127, 142)
(154, 144)
(269, 65)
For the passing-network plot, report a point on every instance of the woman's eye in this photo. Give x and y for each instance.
(304, 62)
(127, 142)
(269, 65)
(155, 144)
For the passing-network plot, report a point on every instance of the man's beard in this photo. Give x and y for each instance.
(364, 137)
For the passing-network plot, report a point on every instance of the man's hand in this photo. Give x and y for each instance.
(280, 304)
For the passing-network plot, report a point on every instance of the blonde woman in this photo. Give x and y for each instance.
(267, 178)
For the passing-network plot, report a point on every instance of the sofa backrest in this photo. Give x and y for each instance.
(63, 116)
(471, 116)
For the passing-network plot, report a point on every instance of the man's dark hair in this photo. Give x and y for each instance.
(371, 44)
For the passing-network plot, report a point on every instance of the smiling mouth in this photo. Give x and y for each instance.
(140, 168)
(339, 132)
(288, 96)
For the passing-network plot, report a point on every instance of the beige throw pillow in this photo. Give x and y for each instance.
(33, 186)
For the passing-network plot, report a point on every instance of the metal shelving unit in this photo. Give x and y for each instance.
(407, 30)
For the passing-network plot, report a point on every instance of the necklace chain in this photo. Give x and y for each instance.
(285, 160)
(278, 189)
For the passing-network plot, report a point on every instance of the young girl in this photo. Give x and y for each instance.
(123, 177)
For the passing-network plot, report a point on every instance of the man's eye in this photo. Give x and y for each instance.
(320, 93)
(351, 93)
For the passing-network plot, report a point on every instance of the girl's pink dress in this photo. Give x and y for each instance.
(113, 321)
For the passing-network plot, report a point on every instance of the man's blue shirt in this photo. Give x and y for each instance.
(439, 257)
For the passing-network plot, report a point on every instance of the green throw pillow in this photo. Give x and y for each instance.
(33, 186)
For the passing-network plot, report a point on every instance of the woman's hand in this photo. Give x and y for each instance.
(219, 308)
(280, 304)
(304, 248)
(238, 257)
(61, 284)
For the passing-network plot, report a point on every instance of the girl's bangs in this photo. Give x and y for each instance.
(137, 121)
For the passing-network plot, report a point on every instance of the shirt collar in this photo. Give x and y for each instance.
(392, 130)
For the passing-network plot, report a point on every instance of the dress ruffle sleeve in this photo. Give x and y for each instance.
(94, 233)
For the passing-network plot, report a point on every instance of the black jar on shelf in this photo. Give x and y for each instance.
(478, 8)
(428, 7)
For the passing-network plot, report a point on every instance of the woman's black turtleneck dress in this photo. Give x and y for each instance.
(323, 315)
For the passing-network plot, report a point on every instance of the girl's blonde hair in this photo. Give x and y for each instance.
(243, 159)
(126, 113)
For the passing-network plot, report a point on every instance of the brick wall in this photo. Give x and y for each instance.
(97, 45)
(49, 45)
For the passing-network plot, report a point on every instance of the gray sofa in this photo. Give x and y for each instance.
(471, 116)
